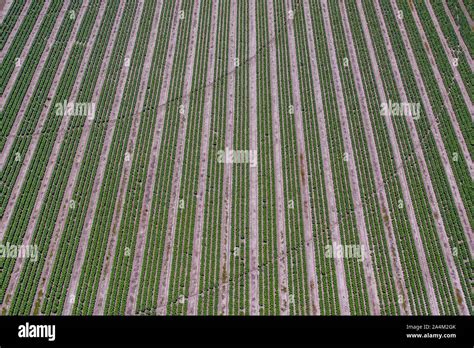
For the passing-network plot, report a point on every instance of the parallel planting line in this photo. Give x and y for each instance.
(6, 8)
(114, 107)
(171, 229)
(32, 148)
(445, 94)
(224, 267)
(29, 234)
(427, 180)
(14, 31)
(131, 306)
(204, 162)
(353, 178)
(433, 303)
(67, 197)
(253, 213)
(396, 266)
(107, 271)
(455, 26)
(277, 149)
(21, 100)
(302, 160)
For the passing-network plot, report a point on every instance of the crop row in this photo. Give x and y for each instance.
(9, 21)
(185, 219)
(17, 227)
(14, 100)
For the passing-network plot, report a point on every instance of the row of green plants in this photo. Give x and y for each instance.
(17, 226)
(97, 254)
(438, 177)
(71, 234)
(209, 276)
(189, 177)
(8, 23)
(13, 103)
(9, 62)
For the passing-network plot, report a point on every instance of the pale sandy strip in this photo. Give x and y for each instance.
(433, 302)
(223, 301)
(152, 168)
(374, 301)
(303, 173)
(396, 266)
(277, 157)
(455, 26)
(15, 28)
(204, 160)
(125, 175)
(72, 180)
(444, 92)
(466, 14)
(31, 89)
(253, 213)
(333, 223)
(51, 163)
(427, 180)
(80, 254)
(178, 166)
(5, 9)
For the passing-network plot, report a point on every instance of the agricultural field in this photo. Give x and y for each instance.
(236, 157)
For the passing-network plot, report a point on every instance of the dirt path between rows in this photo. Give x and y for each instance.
(14, 32)
(302, 161)
(152, 168)
(277, 158)
(204, 160)
(444, 92)
(427, 180)
(224, 273)
(433, 302)
(125, 175)
(80, 254)
(333, 220)
(466, 14)
(455, 26)
(29, 93)
(253, 204)
(4, 8)
(72, 180)
(395, 263)
(374, 301)
(51, 163)
(178, 166)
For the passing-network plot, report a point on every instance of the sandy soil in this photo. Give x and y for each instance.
(204, 160)
(51, 163)
(444, 92)
(14, 32)
(353, 178)
(152, 167)
(433, 303)
(374, 159)
(279, 195)
(224, 267)
(302, 161)
(424, 169)
(61, 217)
(253, 213)
(333, 221)
(177, 170)
(103, 161)
(31, 90)
(395, 263)
(455, 26)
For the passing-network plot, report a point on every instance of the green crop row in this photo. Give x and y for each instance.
(10, 20)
